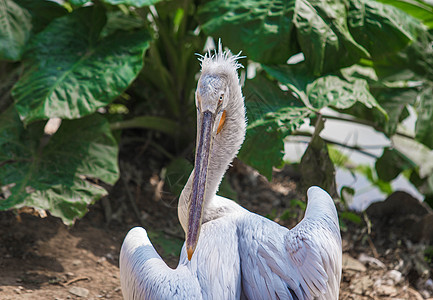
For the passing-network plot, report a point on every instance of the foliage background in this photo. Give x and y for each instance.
(105, 66)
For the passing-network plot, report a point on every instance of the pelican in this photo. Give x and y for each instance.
(230, 252)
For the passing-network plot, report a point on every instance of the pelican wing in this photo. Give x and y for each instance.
(302, 263)
(314, 246)
(144, 275)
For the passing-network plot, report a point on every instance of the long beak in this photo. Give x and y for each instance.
(203, 149)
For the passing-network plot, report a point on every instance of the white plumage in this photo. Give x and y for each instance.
(231, 253)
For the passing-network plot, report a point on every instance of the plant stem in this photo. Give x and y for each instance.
(356, 148)
(364, 122)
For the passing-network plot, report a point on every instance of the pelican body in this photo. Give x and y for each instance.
(229, 252)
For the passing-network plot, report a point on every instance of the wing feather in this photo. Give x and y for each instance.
(144, 275)
(302, 263)
(314, 246)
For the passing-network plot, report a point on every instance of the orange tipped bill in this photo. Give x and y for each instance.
(195, 209)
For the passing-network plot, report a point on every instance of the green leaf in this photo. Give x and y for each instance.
(393, 100)
(346, 194)
(333, 91)
(8, 76)
(416, 152)
(272, 114)
(42, 12)
(15, 28)
(56, 174)
(338, 158)
(328, 90)
(263, 30)
(424, 122)
(417, 57)
(263, 142)
(272, 31)
(136, 3)
(416, 8)
(391, 164)
(295, 77)
(351, 216)
(380, 28)
(78, 2)
(118, 20)
(71, 72)
(324, 37)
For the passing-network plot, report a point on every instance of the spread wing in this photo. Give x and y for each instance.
(144, 275)
(212, 273)
(302, 263)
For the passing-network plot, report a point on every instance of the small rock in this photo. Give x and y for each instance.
(361, 285)
(378, 283)
(387, 290)
(76, 262)
(78, 291)
(395, 276)
(349, 263)
(101, 260)
(374, 262)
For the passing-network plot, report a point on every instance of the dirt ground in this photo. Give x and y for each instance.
(40, 258)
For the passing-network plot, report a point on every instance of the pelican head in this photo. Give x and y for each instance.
(218, 98)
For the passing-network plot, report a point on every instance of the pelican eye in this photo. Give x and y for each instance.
(220, 100)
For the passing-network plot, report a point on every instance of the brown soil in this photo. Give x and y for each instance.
(40, 258)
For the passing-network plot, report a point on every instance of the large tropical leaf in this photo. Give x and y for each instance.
(263, 30)
(59, 174)
(42, 12)
(328, 90)
(295, 77)
(272, 31)
(391, 164)
(15, 27)
(324, 37)
(424, 122)
(392, 96)
(415, 61)
(415, 152)
(416, 8)
(71, 72)
(334, 91)
(380, 28)
(272, 115)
